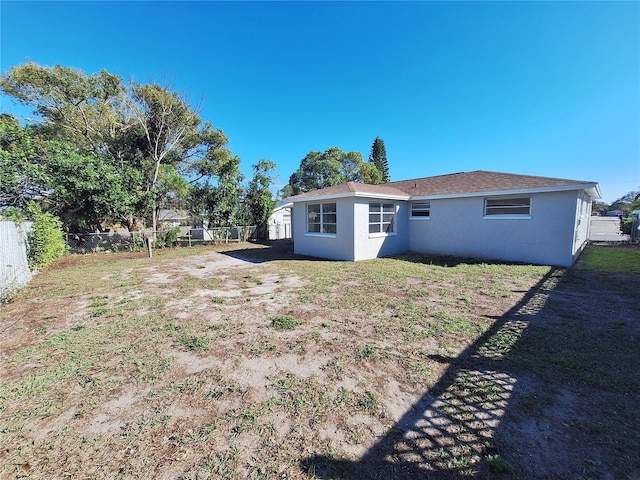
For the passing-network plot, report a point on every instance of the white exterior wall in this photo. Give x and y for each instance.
(368, 245)
(335, 247)
(457, 227)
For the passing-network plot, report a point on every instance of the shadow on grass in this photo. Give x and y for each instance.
(269, 251)
(448, 261)
(531, 398)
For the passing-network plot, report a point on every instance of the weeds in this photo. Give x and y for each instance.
(194, 343)
(285, 322)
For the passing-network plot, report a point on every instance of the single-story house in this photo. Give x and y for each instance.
(174, 218)
(480, 214)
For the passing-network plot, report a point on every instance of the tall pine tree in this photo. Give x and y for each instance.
(378, 157)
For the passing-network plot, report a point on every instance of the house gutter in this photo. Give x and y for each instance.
(335, 196)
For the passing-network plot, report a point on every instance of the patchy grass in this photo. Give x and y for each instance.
(196, 364)
(285, 322)
(612, 259)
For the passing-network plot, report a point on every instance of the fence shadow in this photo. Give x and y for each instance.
(449, 433)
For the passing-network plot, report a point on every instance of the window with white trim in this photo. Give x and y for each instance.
(381, 217)
(507, 207)
(421, 209)
(321, 218)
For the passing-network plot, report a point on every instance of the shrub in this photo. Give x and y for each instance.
(46, 240)
(625, 225)
(167, 239)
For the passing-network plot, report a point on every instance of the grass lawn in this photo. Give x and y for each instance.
(251, 362)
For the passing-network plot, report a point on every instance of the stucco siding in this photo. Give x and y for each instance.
(458, 227)
(368, 245)
(335, 247)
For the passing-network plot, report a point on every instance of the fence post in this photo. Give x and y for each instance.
(149, 240)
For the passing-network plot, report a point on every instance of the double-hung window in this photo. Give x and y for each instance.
(421, 209)
(381, 217)
(514, 207)
(321, 218)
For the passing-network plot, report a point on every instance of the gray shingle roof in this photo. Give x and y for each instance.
(451, 184)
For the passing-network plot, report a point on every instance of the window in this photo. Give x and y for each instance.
(381, 216)
(421, 209)
(321, 218)
(512, 207)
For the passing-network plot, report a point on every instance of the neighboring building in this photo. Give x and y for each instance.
(614, 213)
(280, 222)
(174, 218)
(478, 214)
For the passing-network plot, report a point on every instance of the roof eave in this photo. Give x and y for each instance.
(335, 196)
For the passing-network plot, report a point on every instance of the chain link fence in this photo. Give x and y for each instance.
(134, 241)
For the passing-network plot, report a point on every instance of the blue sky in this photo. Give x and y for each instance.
(546, 88)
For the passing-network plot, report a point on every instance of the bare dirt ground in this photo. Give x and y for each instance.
(119, 366)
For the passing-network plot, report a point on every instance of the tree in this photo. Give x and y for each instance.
(378, 157)
(167, 122)
(599, 207)
(139, 139)
(219, 202)
(628, 202)
(259, 200)
(332, 167)
(22, 177)
(86, 189)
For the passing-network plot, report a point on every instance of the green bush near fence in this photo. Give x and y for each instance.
(46, 240)
(625, 225)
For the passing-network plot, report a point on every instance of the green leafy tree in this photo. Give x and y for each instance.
(599, 207)
(219, 202)
(22, 175)
(378, 157)
(332, 167)
(168, 124)
(259, 199)
(144, 135)
(628, 202)
(86, 189)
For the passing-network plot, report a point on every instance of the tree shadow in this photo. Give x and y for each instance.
(454, 430)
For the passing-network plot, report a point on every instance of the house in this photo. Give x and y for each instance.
(174, 218)
(280, 222)
(478, 214)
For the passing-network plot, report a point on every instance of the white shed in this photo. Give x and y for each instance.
(280, 222)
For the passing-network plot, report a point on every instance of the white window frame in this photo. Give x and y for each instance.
(325, 210)
(506, 204)
(380, 223)
(424, 207)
